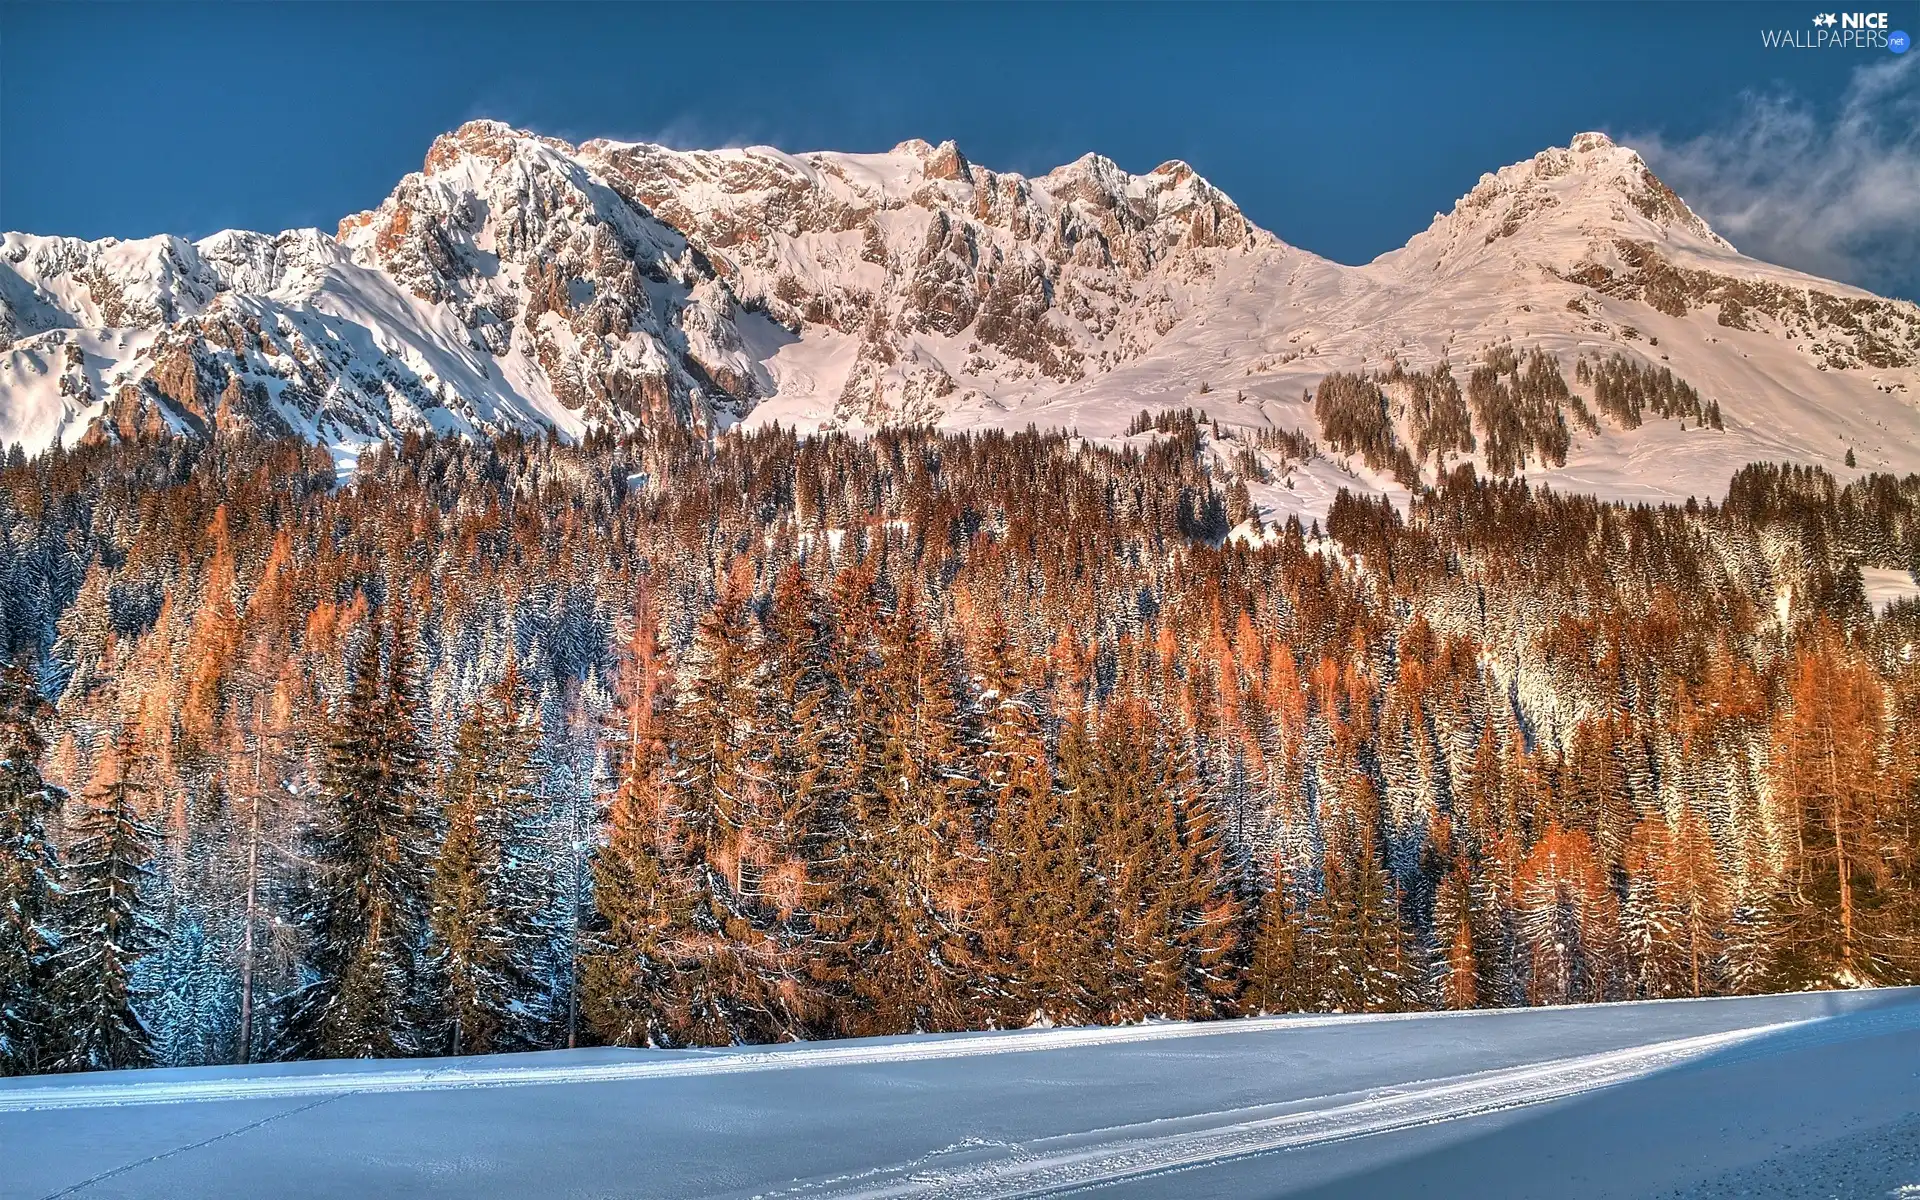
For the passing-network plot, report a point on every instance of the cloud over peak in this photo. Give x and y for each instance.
(1834, 194)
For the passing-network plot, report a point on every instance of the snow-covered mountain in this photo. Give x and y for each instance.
(519, 282)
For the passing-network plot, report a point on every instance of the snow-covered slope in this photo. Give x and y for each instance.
(1775, 1095)
(519, 282)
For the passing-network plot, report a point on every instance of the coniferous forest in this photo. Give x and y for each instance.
(673, 740)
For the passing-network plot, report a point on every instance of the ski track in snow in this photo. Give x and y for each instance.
(1189, 1132)
(1071, 1163)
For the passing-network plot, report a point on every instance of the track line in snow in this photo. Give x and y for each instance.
(123, 1168)
(1076, 1162)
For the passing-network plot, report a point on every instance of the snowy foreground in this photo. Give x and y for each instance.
(1815, 1095)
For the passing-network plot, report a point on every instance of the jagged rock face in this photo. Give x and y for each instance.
(531, 250)
(1585, 187)
(915, 254)
(279, 334)
(940, 267)
(518, 281)
(1839, 331)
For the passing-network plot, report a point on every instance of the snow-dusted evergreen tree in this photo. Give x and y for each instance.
(1568, 920)
(29, 876)
(1041, 925)
(108, 925)
(901, 893)
(1362, 956)
(643, 913)
(795, 730)
(1277, 978)
(192, 993)
(1457, 966)
(1170, 922)
(483, 905)
(720, 807)
(364, 915)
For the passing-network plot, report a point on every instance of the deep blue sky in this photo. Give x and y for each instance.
(1340, 128)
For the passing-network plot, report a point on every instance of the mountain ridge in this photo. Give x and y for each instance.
(519, 282)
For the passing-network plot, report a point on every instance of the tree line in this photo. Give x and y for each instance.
(661, 740)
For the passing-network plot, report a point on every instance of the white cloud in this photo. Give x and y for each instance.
(1833, 194)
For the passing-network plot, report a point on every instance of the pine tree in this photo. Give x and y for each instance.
(1833, 914)
(1649, 924)
(792, 738)
(29, 876)
(109, 928)
(900, 894)
(211, 644)
(1172, 926)
(482, 915)
(364, 914)
(1038, 926)
(630, 993)
(510, 817)
(1676, 907)
(627, 973)
(1361, 951)
(1453, 935)
(469, 957)
(1365, 959)
(1568, 919)
(732, 975)
(715, 772)
(1277, 979)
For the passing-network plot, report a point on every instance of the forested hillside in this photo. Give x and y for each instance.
(666, 740)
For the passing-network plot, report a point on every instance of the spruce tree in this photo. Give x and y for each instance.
(364, 914)
(1172, 926)
(794, 735)
(1366, 962)
(1454, 919)
(721, 808)
(716, 765)
(29, 875)
(900, 897)
(628, 976)
(482, 921)
(468, 958)
(109, 928)
(1040, 925)
(1568, 920)
(1365, 957)
(1276, 979)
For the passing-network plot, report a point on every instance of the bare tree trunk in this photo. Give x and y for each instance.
(1841, 865)
(245, 1054)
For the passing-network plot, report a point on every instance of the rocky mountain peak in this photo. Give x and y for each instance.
(944, 161)
(1560, 208)
(521, 282)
